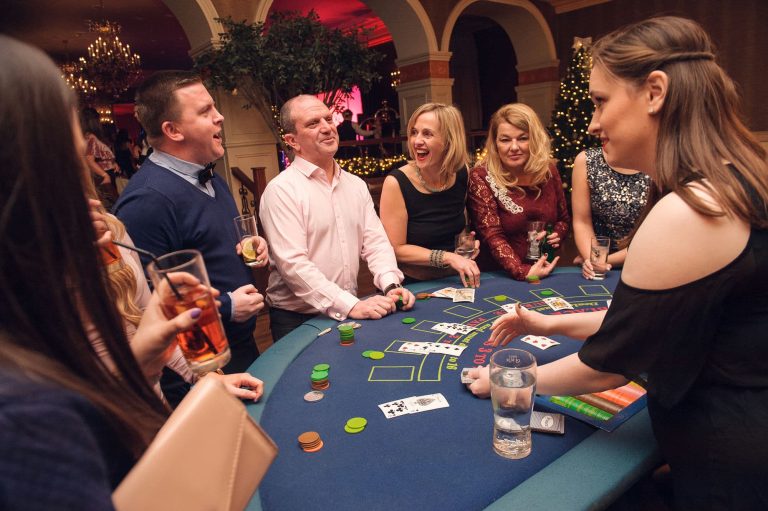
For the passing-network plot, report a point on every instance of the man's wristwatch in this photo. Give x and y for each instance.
(390, 288)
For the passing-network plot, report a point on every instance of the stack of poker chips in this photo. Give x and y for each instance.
(355, 425)
(310, 441)
(319, 377)
(347, 334)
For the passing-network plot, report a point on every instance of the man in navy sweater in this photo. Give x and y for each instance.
(175, 201)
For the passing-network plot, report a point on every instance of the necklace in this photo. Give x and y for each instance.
(424, 183)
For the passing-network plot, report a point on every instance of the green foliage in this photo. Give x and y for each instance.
(291, 54)
(572, 114)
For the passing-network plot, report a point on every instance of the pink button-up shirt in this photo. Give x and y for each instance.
(317, 232)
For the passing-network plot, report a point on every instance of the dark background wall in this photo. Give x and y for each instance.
(739, 29)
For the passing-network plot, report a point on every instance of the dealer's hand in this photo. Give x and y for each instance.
(517, 322)
(481, 387)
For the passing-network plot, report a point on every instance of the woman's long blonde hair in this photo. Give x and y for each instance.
(121, 279)
(453, 133)
(700, 122)
(523, 118)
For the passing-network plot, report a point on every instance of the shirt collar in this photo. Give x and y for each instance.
(181, 166)
(308, 168)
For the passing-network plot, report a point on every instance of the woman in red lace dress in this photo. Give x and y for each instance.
(515, 183)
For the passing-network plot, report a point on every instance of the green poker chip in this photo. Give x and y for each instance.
(500, 298)
(547, 293)
(318, 375)
(408, 321)
(376, 355)
(357, 422)
(367, 353)
(321, 367)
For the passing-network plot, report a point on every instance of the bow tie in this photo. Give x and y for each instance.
(206, 174)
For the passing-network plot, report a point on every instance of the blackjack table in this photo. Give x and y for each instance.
(439, 459)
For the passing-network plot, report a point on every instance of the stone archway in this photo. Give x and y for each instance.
(537, 62)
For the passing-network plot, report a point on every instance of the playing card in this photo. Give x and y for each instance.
(548, 422)
(446, 292)
(465, 378)
(509, 307)
(460, 328)
(446, 328)
(395, 408)
(556, 303)
(446, 349)
(425, 403)
(421, 348)
(539, 341)
(464, 295)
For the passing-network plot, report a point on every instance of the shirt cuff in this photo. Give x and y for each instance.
(341, 306)
(227, 308)
(388, 278)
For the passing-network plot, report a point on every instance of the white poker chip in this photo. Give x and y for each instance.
(353, 324)
(313, 395)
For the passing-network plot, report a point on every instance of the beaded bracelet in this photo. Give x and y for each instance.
(436, 259)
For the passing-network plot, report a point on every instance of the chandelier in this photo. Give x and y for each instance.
(110, 66)
(73, 75)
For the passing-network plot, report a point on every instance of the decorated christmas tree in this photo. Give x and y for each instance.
(573, 112)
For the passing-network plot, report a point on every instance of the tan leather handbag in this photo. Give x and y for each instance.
(209, 455)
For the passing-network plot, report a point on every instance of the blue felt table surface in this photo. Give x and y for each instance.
(441, 459)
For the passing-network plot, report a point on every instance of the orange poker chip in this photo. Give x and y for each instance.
(314, 449)
(309, 437)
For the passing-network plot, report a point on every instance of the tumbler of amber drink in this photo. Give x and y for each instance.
(205, 346)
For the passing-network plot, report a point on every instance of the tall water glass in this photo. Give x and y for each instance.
(513, 387)
(534, 227)
(598, 256)
(205, 346)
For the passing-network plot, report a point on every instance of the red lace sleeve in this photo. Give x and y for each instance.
(484, 210)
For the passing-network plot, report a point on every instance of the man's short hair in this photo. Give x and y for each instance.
(347, 113)
(287, 122)
(156, 102)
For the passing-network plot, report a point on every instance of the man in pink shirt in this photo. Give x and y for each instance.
(320, 221)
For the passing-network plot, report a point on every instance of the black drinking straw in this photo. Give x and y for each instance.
(152, 256)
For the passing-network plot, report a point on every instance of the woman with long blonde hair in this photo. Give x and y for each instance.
(516, 183)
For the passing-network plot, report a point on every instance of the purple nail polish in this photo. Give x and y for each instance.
(195, 313)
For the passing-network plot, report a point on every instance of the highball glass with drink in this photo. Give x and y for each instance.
(534, 244)
(247, 231)
(465, 244)
(513, 387)
(205, 346)
(598, 256)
